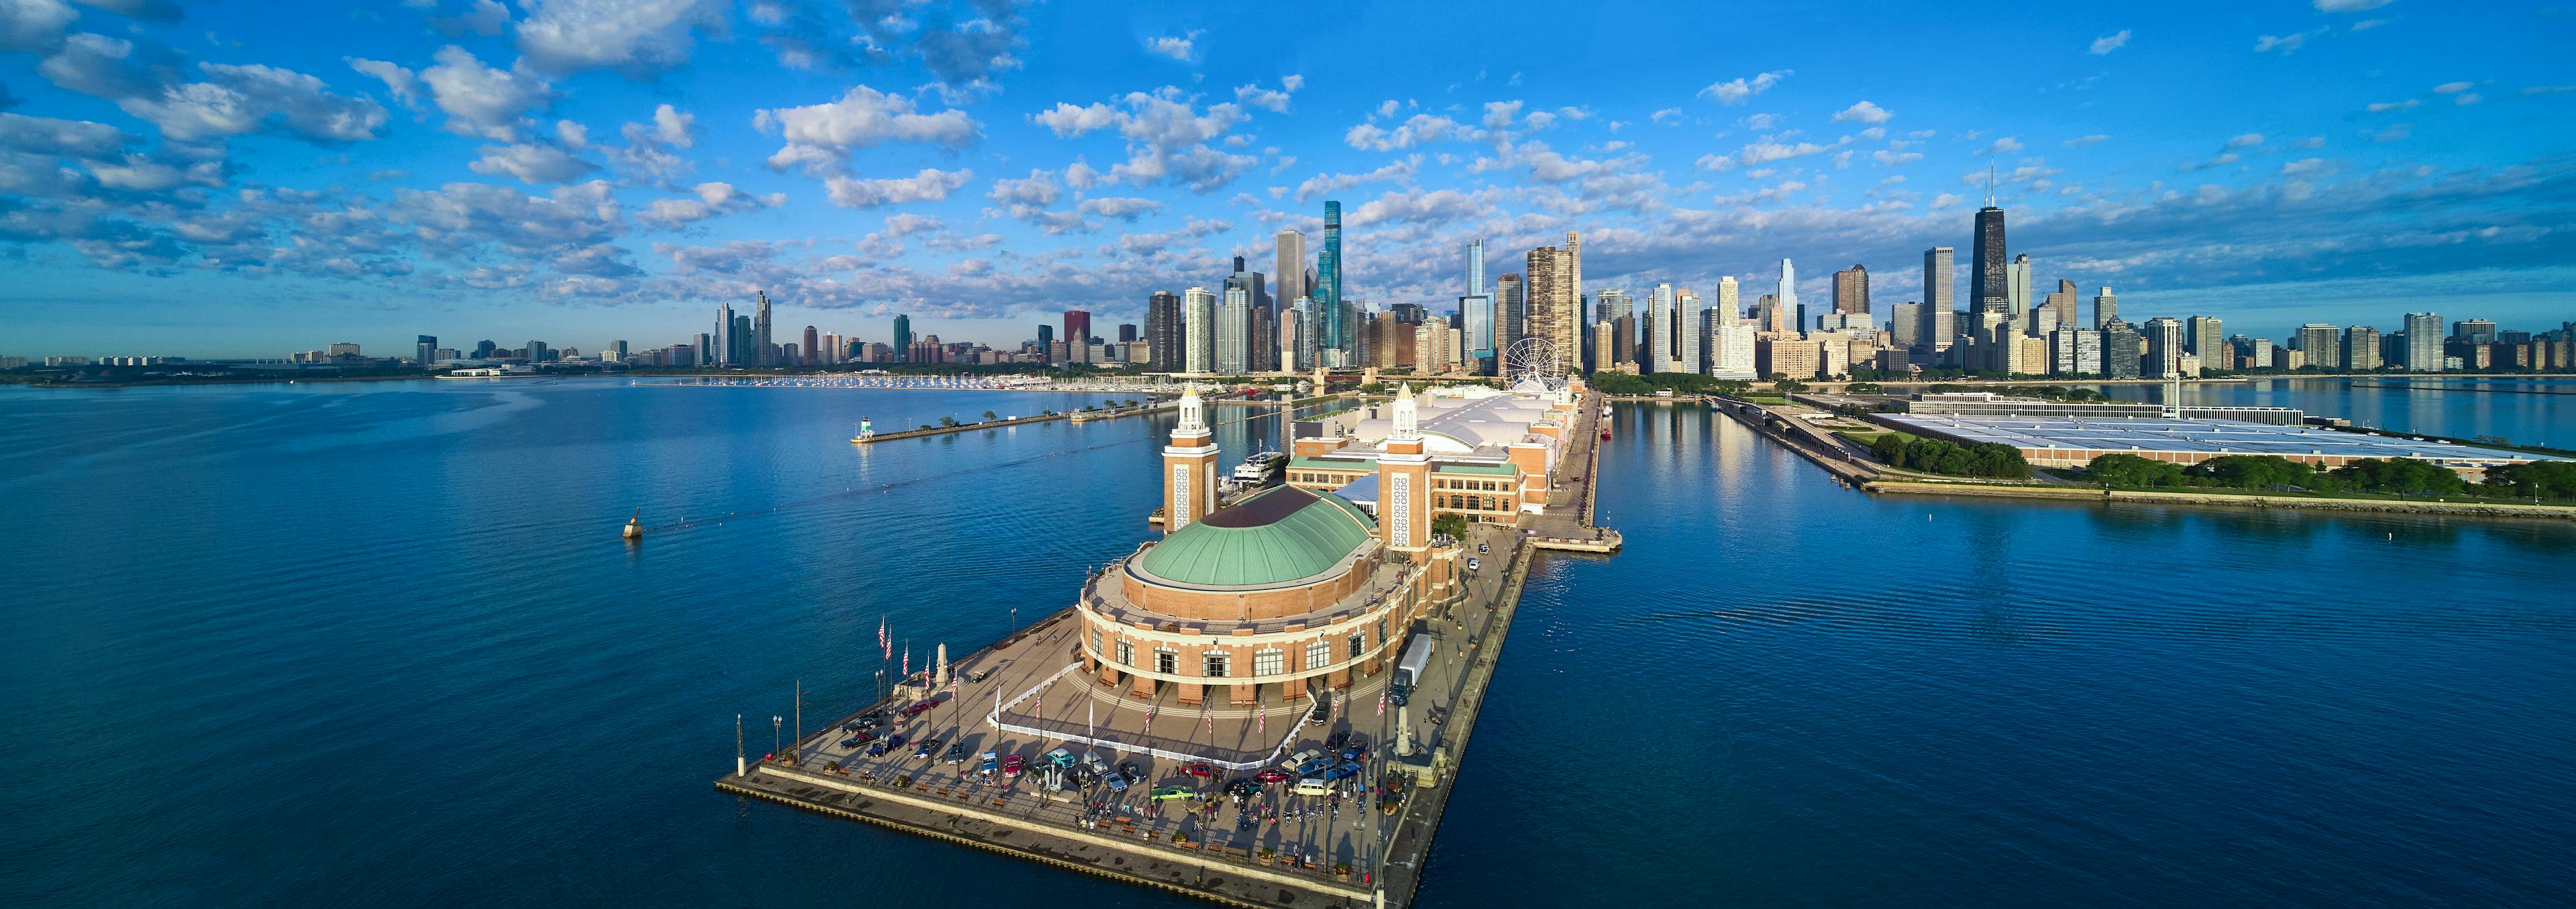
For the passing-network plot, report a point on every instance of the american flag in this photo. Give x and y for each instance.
(1263, 726)
(907, 660)
(1381, 702)
(884, 643)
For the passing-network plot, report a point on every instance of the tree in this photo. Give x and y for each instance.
(2133, 472)
(2534, 479)
(2253, 472)
(947, 421)
(1453, 525)
(1862, 388)
(1787, 386)
(988, 415)
(2404, 476)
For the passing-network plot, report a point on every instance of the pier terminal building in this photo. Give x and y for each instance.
(1296, 589)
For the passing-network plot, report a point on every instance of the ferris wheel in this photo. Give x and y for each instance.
(1533, 357)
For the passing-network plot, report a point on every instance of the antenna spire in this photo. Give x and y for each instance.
(1990, 184)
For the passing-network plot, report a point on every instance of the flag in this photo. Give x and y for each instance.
(1381, 702)
(907, 660)
(881, 632)
(1262, 727)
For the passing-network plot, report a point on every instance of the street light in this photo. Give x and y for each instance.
(775, 743)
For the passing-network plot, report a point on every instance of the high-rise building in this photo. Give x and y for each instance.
(1609, 305)
(1198, 328)
(2323, 344)
(616, 351)
(1694, 322)
(1233, 331)
(1905, 323)
(2164, 349)
(2075, 351)
(1511, 311)
(760, 332)
(2061, 302)
(1476, 268)
(2474, 331)
(1941, 325)
(2361, 349)
(2106, 310)
(1336, 338)
(1573, 272)
(725, 342)
(425, 351)
(1551, 308)
(813, 348)
(2423, 342)
(1851, 290)
(902, 340)
(2017, 287)
(2201, 335)
(1077, 335)
(1126, 332)
(1289, 266)
(1732, 352)
(1989, 283)
(2120, 359)
(1476, 318)
(1163, 331)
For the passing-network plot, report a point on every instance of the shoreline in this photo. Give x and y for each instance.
(2245, 500)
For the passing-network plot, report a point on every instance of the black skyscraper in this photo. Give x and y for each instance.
(1986, 284)
(1163, 332)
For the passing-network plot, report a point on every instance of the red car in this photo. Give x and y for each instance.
(1272, 775)
(1011, 766)
(919, 709)
(1200, 770)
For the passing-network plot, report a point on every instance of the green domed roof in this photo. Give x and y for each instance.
(1277, 536)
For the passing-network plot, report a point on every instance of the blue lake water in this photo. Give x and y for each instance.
(2524, 409)
(378, 642)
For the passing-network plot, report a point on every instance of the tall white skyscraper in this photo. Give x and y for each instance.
(1730, 308)
(1476, 268)
(1233, 332)
(1787, 294)
(1692, 315)
(1731, 356)
(1940, 325)
(2017, 287)
(1198, 330)
(2423, 342)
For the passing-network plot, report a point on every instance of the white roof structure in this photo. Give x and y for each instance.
(2146, 435)
(1460, 422)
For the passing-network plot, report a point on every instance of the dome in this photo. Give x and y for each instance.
(1281, 535)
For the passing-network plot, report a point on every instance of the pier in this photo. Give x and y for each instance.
(1028, 695)
(1078, 416)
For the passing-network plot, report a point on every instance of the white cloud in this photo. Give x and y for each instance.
(2394, 133)
(2452, 88)
(2466, 98)
(712, 199)
(904, 224)
(1893, 159)
(482, 101)
(2003, 146)
(2081, 141)
(1069, 121)
(1766, 152)
(2248, 140)
(2303, 167)
(1253, 95)
(2286, 44)
(574, 136)
(1738, 91)
(930, 185)
(1126, 209)
(1181, 48)
(674, 127)
(1863, 112)
(2110, 42)
(1498, 114)
(531, 163)
(34, 25)
(820, 136)
(253, 98)
(2348, 6)
(402, 83)
(635, 37)
(1321, 184)
(2385, 106)
(1667, 116)
(1418, 129)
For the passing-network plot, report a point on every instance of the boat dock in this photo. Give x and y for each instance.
(1078, 416)
(1027, 695)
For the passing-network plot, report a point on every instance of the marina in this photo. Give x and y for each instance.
(1324, 788)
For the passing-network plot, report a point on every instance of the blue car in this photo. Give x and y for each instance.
(1355, 750)
(1313, 767)
(1345, 770)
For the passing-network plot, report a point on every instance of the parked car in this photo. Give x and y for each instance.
(1481, 549)
(1202, 771)
(877, 750)
(1472, 564)
(1273, 775)
(1169, 793)
(1011, 766)
(956, 754)
(920, 708)
(1242, 787)
(1354, 749)
(1092, 760)
(1312, 786)
(1300, 758)
(1115, 782)
(923, 751)
(1131, 772)
(849, 743)
(1342, 771)
(1060, 757)
(992, 762)
(894, 740)
(1334, 741)
(1310, 768)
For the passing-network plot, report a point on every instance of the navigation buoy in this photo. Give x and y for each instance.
(634, 526)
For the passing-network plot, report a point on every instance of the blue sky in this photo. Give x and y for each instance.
(251, 178)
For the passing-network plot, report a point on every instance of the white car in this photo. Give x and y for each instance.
(1472, 565)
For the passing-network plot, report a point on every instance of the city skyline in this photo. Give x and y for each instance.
(480, 171)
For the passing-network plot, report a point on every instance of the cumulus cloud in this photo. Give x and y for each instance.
(1321, 184)
(2286, 44)
(2003, 146)
(531, 163)
(2111, 42)
(480, 100)
(2081, 141)
(34, 25)
(1180, 48)
(1167, 137)
(820, 136)
(636, 37)
(1740, 90)
(1418, 129)
(235, 100)
(709, 200)
(2348, 6)
(2385, 106)
(929, 185)
(1254, 95)
(1863, 112)
(1126, 209)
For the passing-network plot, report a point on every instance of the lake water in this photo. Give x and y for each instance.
(378, 642)
(2527, 410)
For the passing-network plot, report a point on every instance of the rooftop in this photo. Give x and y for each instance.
(1280, 535)
(2234, 437)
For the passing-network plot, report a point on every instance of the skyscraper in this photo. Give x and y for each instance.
(2119, 350)
(1851, 290)
(1289, 266)
(1688, 322)
(2063, 302)
(1551, 310)
(1573, 272)
(1233, 331)
(1730, 306)
(1476, 318)
(2360, 349)
(902, 341)
(1476, 268)
(2106, 310)
(1198, 330)
(2201, 335)
(2323, 344)
(1163, 332)
(1987, 283)
(812, 352)
(2423, 342)
(1786, 296)
(1511, 311)
(760, 332)
(2164, 348)
(725, 342)
(426, 350)
(1077, 336)
(2017, 288)
(1940, 321)
(1336, 337)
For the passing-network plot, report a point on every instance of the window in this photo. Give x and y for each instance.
(1318, 655)
(1359, 644)
(1167, 662)
(1126, 653)
(1215, 666)
(1269, 662)
(1381, 632)
(1095, 640)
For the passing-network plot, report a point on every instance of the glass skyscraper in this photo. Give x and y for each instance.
(1336, 336)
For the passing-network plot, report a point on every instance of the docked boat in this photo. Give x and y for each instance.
(1262, 468)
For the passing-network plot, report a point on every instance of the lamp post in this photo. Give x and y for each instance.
(776, 748)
